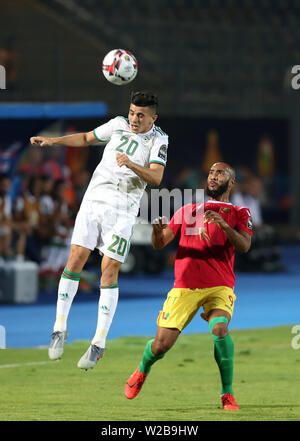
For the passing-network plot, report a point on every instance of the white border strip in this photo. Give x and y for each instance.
(31, 363)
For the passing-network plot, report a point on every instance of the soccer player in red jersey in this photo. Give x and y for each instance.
(204, 276)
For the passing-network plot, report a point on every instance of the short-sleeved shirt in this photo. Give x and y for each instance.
(120, 186)
(205, 257)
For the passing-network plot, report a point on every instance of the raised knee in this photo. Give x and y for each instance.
(220, 330)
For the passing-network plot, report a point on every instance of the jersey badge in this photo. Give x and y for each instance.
(203, 234)
(225, 210)
(163, 152)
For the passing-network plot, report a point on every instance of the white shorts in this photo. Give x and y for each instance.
(101, 226)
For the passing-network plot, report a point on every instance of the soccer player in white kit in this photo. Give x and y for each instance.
(135, 154)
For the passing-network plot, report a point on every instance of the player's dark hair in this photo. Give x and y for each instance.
(144, 98)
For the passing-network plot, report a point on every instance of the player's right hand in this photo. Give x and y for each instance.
(160, 223)
(41, 140)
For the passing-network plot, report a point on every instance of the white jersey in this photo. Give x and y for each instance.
(118, 186)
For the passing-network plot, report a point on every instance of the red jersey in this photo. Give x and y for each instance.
(205, 257)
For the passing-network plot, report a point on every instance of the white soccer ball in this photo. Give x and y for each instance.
(119, 67)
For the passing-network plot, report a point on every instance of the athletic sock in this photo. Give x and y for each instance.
(108, 301)
(67, 290)
(224, 352)
(148, 358)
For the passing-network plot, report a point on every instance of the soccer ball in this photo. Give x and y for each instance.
(119, 67)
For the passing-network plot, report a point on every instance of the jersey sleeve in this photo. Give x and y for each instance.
(104, 132)
(176, 221)
(159, 151)
(244, 221)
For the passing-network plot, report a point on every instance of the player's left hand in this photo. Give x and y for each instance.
(212, 217)
(204, 316)
(122, 159)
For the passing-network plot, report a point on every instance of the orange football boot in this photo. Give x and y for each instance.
(228, 402)
(134, 384)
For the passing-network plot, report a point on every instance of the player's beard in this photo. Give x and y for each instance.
(221, 189)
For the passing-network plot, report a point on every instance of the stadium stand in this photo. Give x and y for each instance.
(215, 64)
(222, 44)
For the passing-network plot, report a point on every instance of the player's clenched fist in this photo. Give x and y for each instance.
(41, 140)
(122, 159)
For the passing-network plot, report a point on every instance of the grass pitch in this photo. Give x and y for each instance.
(183, 386)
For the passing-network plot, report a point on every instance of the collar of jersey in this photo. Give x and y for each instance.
(218, 202)
(147, 133)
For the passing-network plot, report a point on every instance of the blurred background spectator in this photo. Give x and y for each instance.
(27, 211)
(264, 254)
(250, 193)
(9, 59)
(57, 218)
(5, 217)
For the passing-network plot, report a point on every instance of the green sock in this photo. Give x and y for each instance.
(148, 358)
(224, 351)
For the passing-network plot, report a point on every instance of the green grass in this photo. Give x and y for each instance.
(183, 386)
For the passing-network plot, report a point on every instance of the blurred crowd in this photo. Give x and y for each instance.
(38, 206)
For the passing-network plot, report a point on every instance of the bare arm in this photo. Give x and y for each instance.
(76, 140)
(241, 240)
(152, 175)
(162, 235)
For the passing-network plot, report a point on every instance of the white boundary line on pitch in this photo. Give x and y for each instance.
(30, 363)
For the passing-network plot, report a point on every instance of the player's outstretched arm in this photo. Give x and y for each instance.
(162, 235)
(76, 140)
